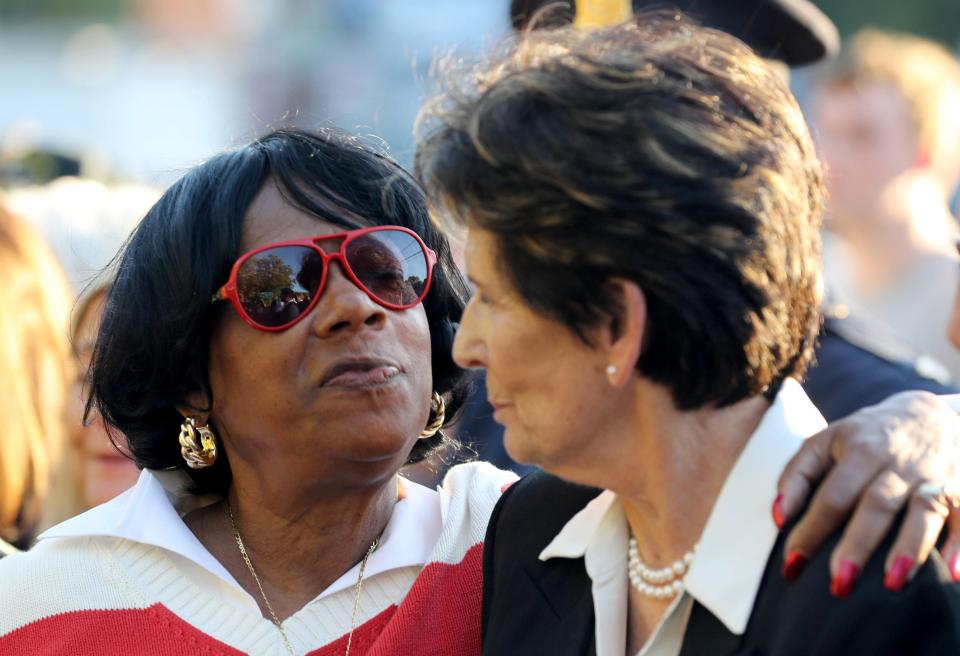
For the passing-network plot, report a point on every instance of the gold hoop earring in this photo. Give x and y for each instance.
(438, 411)
(198, 445)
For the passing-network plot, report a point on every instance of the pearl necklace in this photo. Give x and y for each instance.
(664, 583)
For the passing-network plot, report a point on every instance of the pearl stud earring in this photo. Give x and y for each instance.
(611, 370)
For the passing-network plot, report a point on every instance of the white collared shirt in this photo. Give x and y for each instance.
(151, 513)
(733, 549)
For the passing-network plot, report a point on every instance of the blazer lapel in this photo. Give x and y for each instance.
(565, 592)
(707, 636)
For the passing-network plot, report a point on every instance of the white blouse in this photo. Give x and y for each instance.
(733, 550)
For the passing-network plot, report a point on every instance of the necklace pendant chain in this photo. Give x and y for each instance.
(663, 583)
(263, 595)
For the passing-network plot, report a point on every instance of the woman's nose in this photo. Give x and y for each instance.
(469, 351)
(343, 306)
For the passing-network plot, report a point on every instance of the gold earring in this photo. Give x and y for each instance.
(438, 411)
(198, 445)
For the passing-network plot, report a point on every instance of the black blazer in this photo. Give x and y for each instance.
(847, 377)
(534, 607)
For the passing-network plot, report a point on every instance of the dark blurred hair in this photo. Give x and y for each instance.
(657, 151)
(153, 345)
(793, 32)
(541, 14)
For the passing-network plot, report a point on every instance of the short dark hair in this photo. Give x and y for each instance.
(657, 151)
(153, 346)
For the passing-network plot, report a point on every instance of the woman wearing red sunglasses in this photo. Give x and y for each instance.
(276, 346)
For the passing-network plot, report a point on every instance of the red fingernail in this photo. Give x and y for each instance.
(778, 517)
(793, 565)
(896, 578)
(842, 584)
(954, 566)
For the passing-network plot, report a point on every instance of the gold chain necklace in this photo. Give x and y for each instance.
(273, 615)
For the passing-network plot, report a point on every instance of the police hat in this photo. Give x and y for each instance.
(795, 32)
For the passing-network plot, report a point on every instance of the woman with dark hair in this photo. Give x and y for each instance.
(643, 205)
(270, 517)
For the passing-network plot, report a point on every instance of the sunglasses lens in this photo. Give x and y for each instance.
(391, 264)
(276, 285)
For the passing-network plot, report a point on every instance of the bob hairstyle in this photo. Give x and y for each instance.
(656, 151)
(36, 369)
(153, 346)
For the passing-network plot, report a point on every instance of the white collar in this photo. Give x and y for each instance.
(150, 513)
(739, 534)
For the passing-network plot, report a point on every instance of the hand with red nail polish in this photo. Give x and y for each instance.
(778, 517)
(793, 564)
(898, 574)
(868, 470)
(954, 567)
(950, 549)
(842, 584)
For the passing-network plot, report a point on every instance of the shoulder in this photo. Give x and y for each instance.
(473, 478)
(528, 517)
(80, 575)
(850, 373)
(540, 504)
(529, 605)
(47, 557)
(468, 495)
(924, 618)
(474, 488)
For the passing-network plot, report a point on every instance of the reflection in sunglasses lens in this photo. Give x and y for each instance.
(277, 284)
(390, 264)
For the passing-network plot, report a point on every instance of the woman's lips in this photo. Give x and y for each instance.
(498, 410)
(363, 376)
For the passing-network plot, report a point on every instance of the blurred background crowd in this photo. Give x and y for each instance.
(107, 101)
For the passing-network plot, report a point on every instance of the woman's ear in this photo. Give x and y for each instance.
(624, 333)
(195, 404)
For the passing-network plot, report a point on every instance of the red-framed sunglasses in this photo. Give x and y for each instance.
(274, 286)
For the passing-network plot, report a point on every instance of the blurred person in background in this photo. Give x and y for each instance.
(887, 120)
(36, 370)
(642, 206)
(85, 221)
(102, 470)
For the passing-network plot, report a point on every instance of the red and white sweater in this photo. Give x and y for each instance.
(129, 578)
